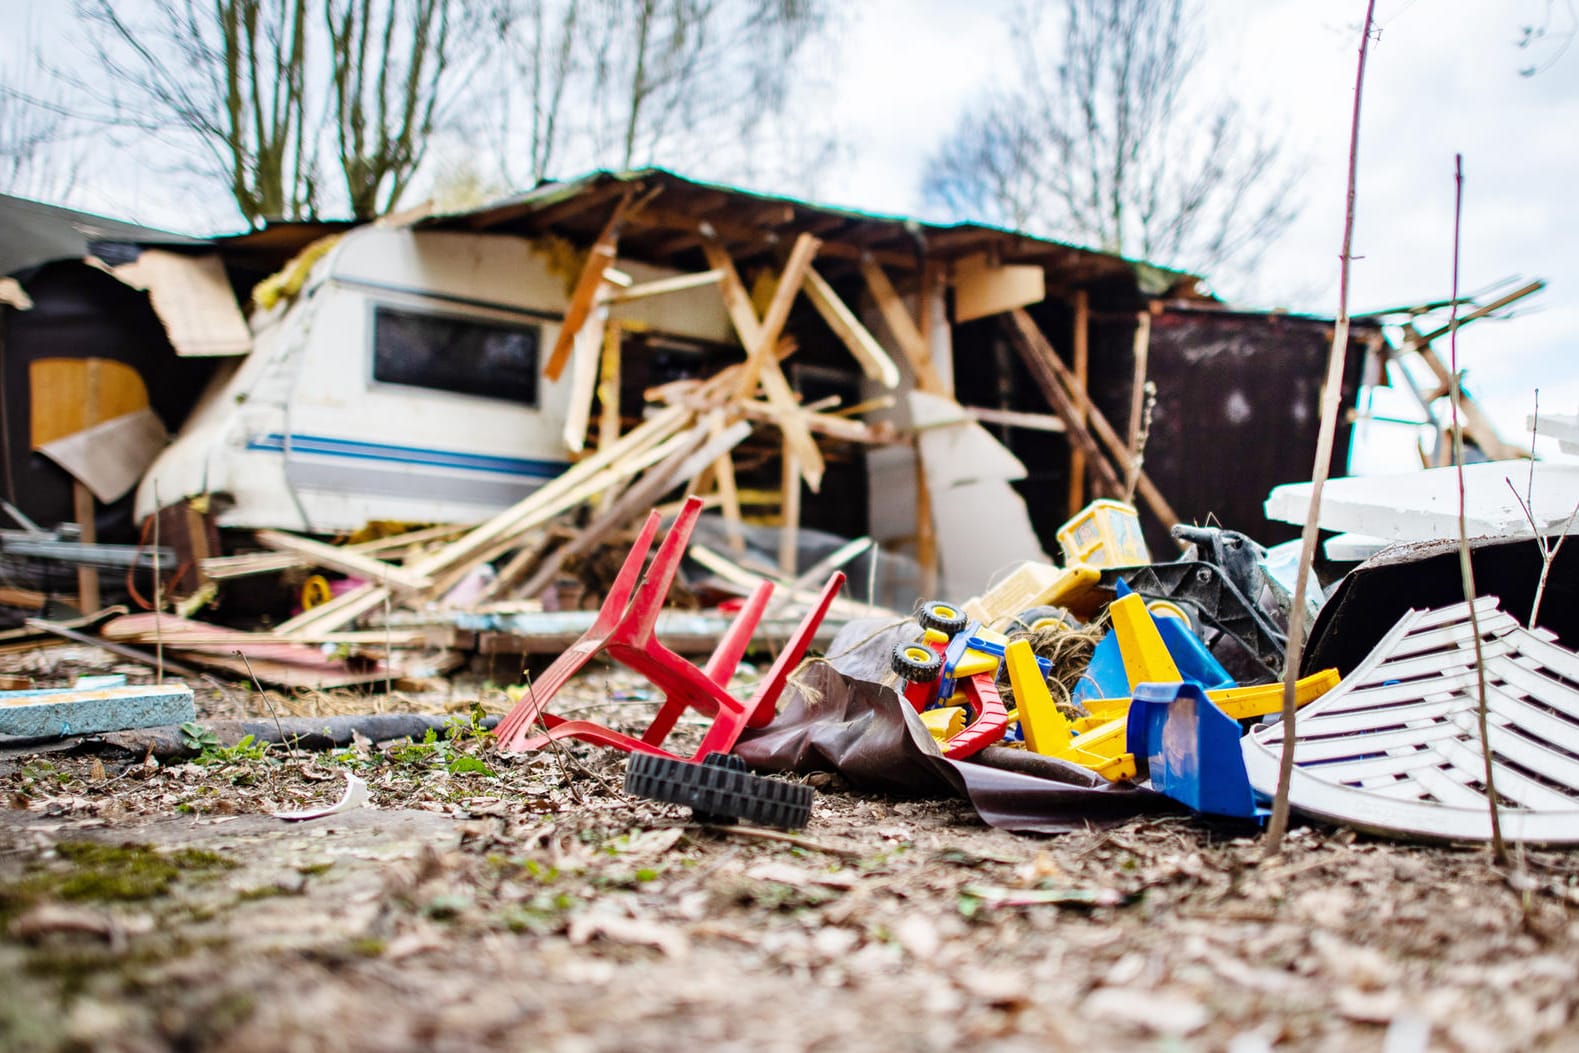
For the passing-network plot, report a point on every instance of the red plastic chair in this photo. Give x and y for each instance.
(624, 630)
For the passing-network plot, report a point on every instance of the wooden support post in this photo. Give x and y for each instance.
(751, 330)
(789, 512)
(609, 387)
(87, 577)
(728, 492)
(1077, 457)
(929, 307)
(926, 532)
(584, 368)
(1137, 385)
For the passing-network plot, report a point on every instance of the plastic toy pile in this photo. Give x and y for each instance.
(1091, 692)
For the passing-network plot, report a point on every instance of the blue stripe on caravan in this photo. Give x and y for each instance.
(323, 446)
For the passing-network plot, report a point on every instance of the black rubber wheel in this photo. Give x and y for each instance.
(944, 617)
(917, 662)
(719, 791)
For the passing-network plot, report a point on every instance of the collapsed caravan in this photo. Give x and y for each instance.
(404, 382)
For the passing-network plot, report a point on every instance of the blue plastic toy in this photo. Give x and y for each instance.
(1191, 750)
(1105, 676)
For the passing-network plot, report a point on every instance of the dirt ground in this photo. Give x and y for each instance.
(489, 902)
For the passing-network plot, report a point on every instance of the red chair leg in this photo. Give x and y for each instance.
(732, 647)
(650, 595)
(760, 710)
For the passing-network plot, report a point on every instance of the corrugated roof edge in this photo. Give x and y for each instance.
(1152, 278)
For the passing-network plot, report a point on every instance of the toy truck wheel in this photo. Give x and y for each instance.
(1036, 619)
(917, 663)
(944, 617)
(719, 792)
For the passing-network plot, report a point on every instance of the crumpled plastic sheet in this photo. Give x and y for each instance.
(838, 715)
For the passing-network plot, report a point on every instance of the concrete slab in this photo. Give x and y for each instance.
(69, 711)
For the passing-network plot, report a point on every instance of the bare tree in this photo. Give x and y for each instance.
(34, 161)
(621, 83)
(1103, 141)
(254, 84)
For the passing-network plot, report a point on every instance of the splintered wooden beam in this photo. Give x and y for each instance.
(1042, 351)
(346, 562)
(874, 361)
(664, 286)
(737, 302)
(1035, 351)
(902, 326)
(777, 314)
(599, 260)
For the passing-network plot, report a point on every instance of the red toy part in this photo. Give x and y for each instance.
(624, 630)
(992, 720)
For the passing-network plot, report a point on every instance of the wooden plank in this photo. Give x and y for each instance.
(737, 303)
(582, 300)
(874, 361)
(354, 564)
(773, 319)
(1016, 419)
(789, 512)
(343, 609)
(664, 286)
(728, 491)
(1082, 357)
(982, 290)
(906, 334)
(587, 353)
(68, 395)
(701, 447)
(142, 657)
(655, 429)
(1043, 351)
(1034, 351)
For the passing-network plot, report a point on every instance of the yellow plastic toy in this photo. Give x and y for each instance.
(1106, 533)
(1097, 741)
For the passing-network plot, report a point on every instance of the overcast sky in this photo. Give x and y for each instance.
(1443, 78)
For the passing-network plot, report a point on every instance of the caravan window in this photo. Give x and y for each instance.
(467, 356)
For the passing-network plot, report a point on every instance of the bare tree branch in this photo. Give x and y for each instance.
(1115, 147)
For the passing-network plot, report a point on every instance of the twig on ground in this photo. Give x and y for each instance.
(1331, 397)
(778, 835)
(1466, 565)
(266, 700)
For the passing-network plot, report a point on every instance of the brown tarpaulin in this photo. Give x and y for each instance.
(834, 717)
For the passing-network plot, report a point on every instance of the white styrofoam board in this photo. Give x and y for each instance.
(1423, 505)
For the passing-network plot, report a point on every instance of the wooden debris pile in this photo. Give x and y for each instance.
(397, 614)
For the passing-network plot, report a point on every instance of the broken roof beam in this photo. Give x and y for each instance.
(1045, 364)
(874, 361)
(339, 559)
(584, 299)
(903, 327)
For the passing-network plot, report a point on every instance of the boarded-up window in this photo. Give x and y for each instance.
(495, 360)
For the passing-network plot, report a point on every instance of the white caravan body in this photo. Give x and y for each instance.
(404, 382)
